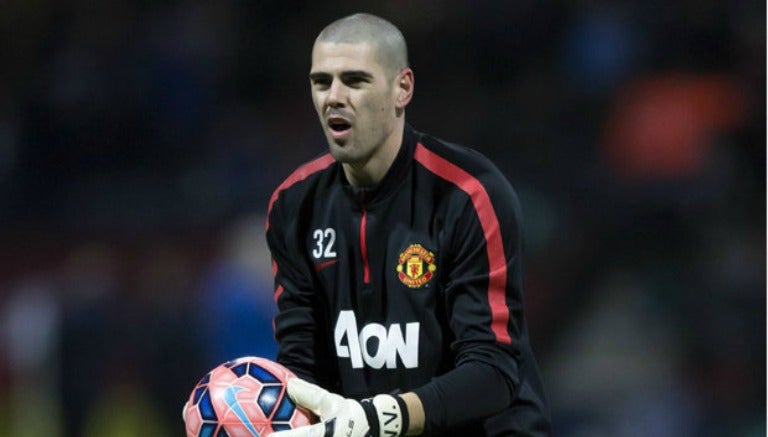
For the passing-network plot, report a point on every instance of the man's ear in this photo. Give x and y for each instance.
(405, 83)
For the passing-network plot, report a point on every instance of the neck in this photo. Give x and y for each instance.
(370, 172)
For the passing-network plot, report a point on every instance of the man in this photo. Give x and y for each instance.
(397, 264)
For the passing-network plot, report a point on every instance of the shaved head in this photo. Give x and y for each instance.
(388, 42)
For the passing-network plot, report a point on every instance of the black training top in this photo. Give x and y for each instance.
(413, 285)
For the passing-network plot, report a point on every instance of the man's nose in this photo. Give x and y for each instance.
(337, 94)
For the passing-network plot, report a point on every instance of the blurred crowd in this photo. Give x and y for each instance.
(140, 142)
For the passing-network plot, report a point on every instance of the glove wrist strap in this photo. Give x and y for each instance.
(371, 416)
(404, 417)
(387, 416)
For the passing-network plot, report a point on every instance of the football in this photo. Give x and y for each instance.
(242, 397)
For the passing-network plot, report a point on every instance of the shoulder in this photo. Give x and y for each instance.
(476, 183)
(300, 182)
(465, 168)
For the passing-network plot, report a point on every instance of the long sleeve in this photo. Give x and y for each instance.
(484, 306)
(295, 326)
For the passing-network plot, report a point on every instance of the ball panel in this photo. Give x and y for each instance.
(280, 372)
(262, 374)
(197, 394)
(193, 421)
(268, 398)
(240, 369)
(206, 407)
(207, 429)
(285, 410)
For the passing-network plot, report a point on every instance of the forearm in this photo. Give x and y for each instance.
(442, 403)
(296, 342)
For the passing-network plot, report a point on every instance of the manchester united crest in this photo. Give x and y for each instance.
(416, 266)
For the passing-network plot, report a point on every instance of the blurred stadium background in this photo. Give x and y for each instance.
(140, 141)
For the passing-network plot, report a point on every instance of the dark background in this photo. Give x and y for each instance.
(140, 142)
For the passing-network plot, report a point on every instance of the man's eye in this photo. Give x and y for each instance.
(354, 82)
(321, 84)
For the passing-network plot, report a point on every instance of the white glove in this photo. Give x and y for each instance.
(380, 416)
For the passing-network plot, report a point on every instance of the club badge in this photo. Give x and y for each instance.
(416, 266)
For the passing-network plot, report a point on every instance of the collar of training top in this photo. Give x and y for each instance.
(395, 176)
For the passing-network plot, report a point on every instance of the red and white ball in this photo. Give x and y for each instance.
(244, 397)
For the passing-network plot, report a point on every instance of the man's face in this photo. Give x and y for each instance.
(354, 98)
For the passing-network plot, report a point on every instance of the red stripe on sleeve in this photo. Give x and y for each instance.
(497, 276)
(279, 289)
(278, 292)
(299, 175)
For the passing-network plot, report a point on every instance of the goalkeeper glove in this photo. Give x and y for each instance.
(380, 416)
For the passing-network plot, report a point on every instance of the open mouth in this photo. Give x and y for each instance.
(338, 125)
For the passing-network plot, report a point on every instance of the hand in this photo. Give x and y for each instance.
(382, 415)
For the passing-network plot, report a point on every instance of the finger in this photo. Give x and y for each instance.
(312, 397)
(316, 430)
